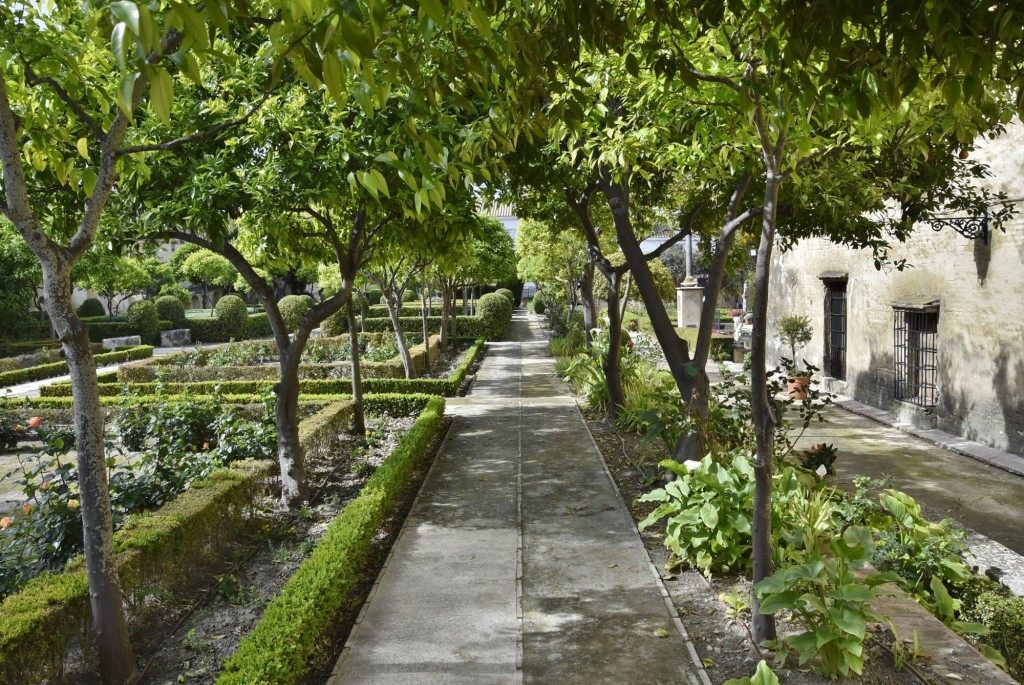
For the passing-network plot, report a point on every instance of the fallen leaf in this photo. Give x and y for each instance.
(217, 637)
(660, 632)
(612, 565)
(953, 676)
(708, 663)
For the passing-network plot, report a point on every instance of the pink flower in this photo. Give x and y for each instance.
(35, 422)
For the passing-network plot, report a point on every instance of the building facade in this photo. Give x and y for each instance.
(941, 343)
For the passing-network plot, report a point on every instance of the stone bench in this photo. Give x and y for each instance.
(125, 341)
(176, 337)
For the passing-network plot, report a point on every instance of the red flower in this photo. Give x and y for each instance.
(629, 343)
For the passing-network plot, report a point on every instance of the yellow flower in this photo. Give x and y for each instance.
(73, 503)
(206, 445)
(27, 507)
(19, 428)
(5, 523)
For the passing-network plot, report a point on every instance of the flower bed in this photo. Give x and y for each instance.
(43, 371)
(50, 615)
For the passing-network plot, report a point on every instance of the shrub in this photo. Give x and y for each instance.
(170, 308)
(177, 292)
(143, 317)
(409, 295)
(539, 303)
(373, 297)
(495, 313)
(232, 314)
(335, 324)
(506, 293)
(293, 308)
(259, 326)
(1003, 614)
(91, 307)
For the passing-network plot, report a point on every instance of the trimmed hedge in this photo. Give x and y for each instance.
(169, 308)
(115, 401)
(39, 624)
(448, 386)
(43, 371)
(91, 306)
(214, 330)
(494, 311)
(51, 613)
(142, 315)
(100, 328)
(295, 624)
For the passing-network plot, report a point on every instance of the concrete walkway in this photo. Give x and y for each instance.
(519, 562)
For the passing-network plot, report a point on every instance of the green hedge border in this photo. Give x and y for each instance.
(39, 623)
(44, 371)
(295, 624)
(52, 612)
(447, 386)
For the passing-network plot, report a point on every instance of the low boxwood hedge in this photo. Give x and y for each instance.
(295, 625)
(51, 613)
(43, 371)
(447, 386)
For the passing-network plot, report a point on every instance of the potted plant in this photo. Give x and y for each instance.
(796, 332)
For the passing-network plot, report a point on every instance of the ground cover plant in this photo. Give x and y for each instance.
(704, 516)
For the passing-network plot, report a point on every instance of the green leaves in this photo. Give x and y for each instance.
(161, 93)
(124, 94)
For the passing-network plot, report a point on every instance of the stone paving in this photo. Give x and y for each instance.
(518, 562)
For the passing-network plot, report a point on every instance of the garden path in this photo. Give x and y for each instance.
(519, 561)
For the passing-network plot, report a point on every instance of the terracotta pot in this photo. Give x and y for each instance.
(798, 387)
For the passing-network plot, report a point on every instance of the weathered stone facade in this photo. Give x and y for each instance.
(979, 338)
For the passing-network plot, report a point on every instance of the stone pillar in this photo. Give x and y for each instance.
(689, 299)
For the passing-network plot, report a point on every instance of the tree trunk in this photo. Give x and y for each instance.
(294, 486)
(764, 419)
(444, 317)
(423, 318)
(465, 301)
(589, 306)
(677, 351)
(358, 414)
(394, 310)
(612, 364)
(117, 661)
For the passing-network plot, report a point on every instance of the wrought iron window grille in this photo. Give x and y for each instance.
(915, 354)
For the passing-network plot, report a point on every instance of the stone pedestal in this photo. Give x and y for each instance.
(126, 341)
(176, 337)
(689, 299)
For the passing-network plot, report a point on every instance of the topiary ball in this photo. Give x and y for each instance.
(495, 312)
(508, 294)
(170, 308)
(143, 317)
(293, 308)
(91, 307)
(232, 316)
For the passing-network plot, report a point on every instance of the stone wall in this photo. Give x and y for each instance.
(980, 289)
